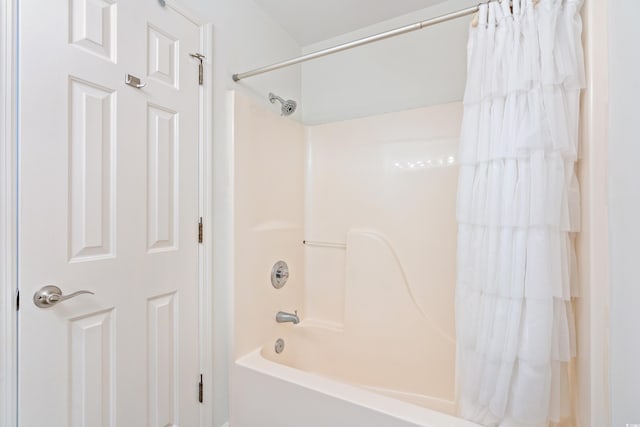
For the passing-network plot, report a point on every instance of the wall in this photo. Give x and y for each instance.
(426, 67)
(244, 37)
(624, 209)
(385, 186)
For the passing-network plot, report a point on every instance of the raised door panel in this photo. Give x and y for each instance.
(92, 370)
(162, 359)
(93, 26)
(162, 179)
(162, 56)
(92, 171)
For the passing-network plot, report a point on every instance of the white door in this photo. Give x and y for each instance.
(108, 203)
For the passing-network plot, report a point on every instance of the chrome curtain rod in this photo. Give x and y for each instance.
(360, 42)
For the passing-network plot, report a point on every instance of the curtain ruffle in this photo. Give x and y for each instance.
(510, 262)
(518, 210)
(527, 192)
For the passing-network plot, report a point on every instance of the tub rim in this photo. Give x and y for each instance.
(421, 416)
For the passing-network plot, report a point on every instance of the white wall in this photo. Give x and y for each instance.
(244, 37)
(624, 209)
(426, 67)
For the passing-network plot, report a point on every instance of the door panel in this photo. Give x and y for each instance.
(162, 154)
(92, 369)
(108, 202)
(92, 143)
(92, 26)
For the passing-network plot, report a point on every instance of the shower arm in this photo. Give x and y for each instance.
(273, 98)
(360, 42)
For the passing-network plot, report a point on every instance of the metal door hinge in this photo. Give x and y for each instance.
(17, 300)
(200, 230)
(200, 390)
(200, 57)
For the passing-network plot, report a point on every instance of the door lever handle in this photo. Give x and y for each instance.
(50, 295)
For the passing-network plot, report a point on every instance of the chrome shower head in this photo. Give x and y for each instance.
(288, 106)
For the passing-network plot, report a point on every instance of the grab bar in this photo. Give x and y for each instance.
(335, 245)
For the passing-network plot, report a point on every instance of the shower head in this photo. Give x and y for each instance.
(288, 106)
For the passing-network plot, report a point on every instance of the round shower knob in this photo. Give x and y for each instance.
(279, 274)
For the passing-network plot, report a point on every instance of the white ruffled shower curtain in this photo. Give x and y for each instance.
(518, 210)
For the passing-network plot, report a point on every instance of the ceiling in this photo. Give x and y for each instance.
(311, 21)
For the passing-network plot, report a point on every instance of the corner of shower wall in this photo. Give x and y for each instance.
(268, 165)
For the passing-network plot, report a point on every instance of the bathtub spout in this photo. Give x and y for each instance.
(282, 317)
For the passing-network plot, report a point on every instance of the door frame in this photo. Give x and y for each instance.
(8, 210)
(9, 77)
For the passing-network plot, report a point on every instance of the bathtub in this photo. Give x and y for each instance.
(287, 390)
(388, 362)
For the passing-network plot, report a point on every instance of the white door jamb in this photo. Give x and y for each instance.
(206, 212)
(205, 196)
(8, 209)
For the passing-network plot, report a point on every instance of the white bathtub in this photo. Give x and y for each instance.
(267, 393)
(388, 363)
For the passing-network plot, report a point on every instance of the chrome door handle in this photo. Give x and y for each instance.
(50, 295)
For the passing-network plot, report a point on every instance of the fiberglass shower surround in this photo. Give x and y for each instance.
(517, 209)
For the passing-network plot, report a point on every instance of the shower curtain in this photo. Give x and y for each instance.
(518, 210)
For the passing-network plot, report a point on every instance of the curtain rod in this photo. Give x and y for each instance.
(360, 42)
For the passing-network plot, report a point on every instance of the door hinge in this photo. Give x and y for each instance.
(200, 230)
(200, 57)
(200, 389)
(17, 300)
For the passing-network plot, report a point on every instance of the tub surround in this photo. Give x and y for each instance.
(386, 343)
(386, 186)
(375, 299)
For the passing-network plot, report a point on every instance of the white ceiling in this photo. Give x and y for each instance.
(311, 21)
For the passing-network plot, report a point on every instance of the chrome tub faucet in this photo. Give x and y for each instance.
(283, 317)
